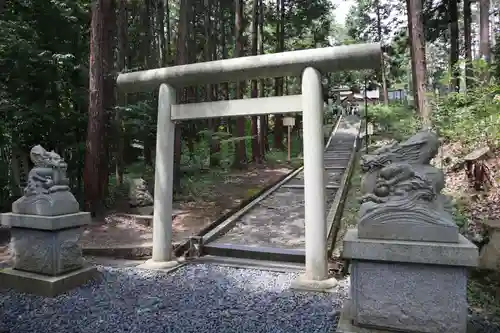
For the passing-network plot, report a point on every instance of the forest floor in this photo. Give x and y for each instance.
(205, 197)
(212, 195)
(473, 208)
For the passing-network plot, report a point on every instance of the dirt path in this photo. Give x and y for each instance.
(193, 213)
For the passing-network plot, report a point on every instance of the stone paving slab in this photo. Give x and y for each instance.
(332, 178)
(277, 221)
(341, 161)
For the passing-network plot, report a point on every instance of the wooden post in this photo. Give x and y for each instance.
(289, 122)
(289, 142)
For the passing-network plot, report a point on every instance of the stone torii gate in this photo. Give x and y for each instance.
(308, 63)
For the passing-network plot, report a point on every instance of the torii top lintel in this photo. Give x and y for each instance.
(327, 59)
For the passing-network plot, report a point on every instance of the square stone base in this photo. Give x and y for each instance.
(42, 285)
(345, 324)
(48, 252)
(409, 297)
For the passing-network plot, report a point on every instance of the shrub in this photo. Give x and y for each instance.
(396, 121)
(472, 118)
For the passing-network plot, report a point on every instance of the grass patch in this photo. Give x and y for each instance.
(351, 206)
(483, 291)
(350, 209)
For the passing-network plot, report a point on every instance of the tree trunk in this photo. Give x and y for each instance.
(484, 30)
(415, 20)
(263, 120)
(122, 25)
(109, 88)
(454, 45)
(146, 52)
(413, 75)
(468, 43)
(168, 41)
(209, 54)
(222, 16)
(278, 82)
(256, 157)
(95, 145)
(385, 93)
(181, 93)
(240, 155)
(162, 42)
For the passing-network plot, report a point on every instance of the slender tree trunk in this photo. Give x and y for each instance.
(182, 93)
(278, 82)
(109, 101)
(95, 145)
(385, 93)
(146, 52)
(209, 54)
(413, 75)
(122, 25)
(162, 42)
(484, 30)
(256, 157)
(484, 35)
(415, 20)
(240, 156)
(263, 120)
(222, 16)
(454, 45)
(168, 40)
(468, 43)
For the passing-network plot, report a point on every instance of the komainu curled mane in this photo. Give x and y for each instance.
(419, 149)
(402, 193)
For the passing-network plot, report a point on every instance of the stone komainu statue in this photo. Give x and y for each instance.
(47, 191)
(400, 188)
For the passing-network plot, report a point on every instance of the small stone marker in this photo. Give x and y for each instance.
(46, 225)
(409, 262)
(140, 200)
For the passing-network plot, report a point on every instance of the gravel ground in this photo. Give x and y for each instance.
(196, 298)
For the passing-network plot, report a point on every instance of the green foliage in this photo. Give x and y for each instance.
(473, 117)
(363, 25)
(43, 82)
(395, 121)
(44, 60)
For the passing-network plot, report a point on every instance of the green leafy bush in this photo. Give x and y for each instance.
(396, 121)
(472, 117)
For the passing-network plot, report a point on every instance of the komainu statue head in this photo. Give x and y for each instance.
(421, 148)
(46, 159)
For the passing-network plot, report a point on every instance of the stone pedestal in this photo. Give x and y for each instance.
(409, 262)
(46, 225)
(407, 286)
(47, 259)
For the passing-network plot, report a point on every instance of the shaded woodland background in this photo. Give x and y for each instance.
(59, 61)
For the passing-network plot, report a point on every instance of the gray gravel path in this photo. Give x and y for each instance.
(196, 298)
